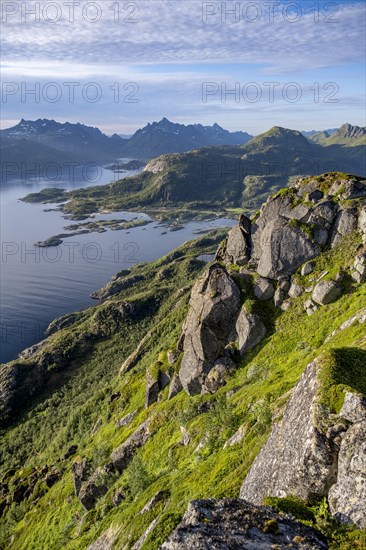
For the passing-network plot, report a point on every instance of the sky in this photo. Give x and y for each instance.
(247, 65)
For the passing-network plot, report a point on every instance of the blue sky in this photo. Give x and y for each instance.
(289, 63)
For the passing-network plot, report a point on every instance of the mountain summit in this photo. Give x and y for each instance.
(163, 137)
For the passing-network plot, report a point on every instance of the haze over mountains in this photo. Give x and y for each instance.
(47, 141)
(31, 141)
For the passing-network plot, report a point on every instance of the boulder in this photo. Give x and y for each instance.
(122, 456)
(175, 386)
(264, 289)
(237, 248)
(353, 408)
(155, 383)
(347, 498)
(295, 290)
(209, 326)
(216, 378)
(320, 235)
(315, 196)
(297, 458)
(279, 297)
(323, 214)
(307, 268)
(345, 223)
(126, 420)
(326, 292)
(237, 437)
(284, 248)
(250, 330)
(227, 524)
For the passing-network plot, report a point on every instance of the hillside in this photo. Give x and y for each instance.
(31, 138)
(138, 422)
(216, 178)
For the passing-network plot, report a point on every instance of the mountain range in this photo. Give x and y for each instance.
(221, 177)
(48, 140)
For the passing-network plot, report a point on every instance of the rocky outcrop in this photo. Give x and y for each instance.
(326, 292)
(122, 456)
(156, 380)
(234, 523)
(347, 498)
(237, 247)
(297, 459)
(250, 330)
(209, 327)
(345, 223)
(284, 248)
(314, 452)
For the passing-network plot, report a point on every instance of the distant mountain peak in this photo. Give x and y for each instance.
(349, 131)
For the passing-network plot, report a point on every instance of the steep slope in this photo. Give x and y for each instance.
(172, 395)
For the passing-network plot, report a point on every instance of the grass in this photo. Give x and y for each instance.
(80, 411)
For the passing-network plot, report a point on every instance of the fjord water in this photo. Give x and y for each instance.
(38, 285)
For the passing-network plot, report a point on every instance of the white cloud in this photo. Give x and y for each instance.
(173, 32)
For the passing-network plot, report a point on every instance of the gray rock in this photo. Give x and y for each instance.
(297, 459)
(320, 236)
(93, 489)
(360, 267)
(326, 292)
(307, 268)
(175, 386)
(217, 376)
(105, 541)
(357, 277)
(186, 438)
(126, 420)
(284, 248)
(347, 498)
(233, 524)
(158, 497)
(250, 330)
(172, 357)
(315, 195)
(323, 213)
(295, 290)
(345, 223)
(264, 289)
(209, 326)
(237, 247)
(237, 437)
(353, 408)
(122, 456)
(284, 283)
(118, 497)
(154, 385)
(279, 297)
(80, 472)
(362, 219)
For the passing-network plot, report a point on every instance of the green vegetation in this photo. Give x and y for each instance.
(341, 369)
(75, 406)
(317, 514)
